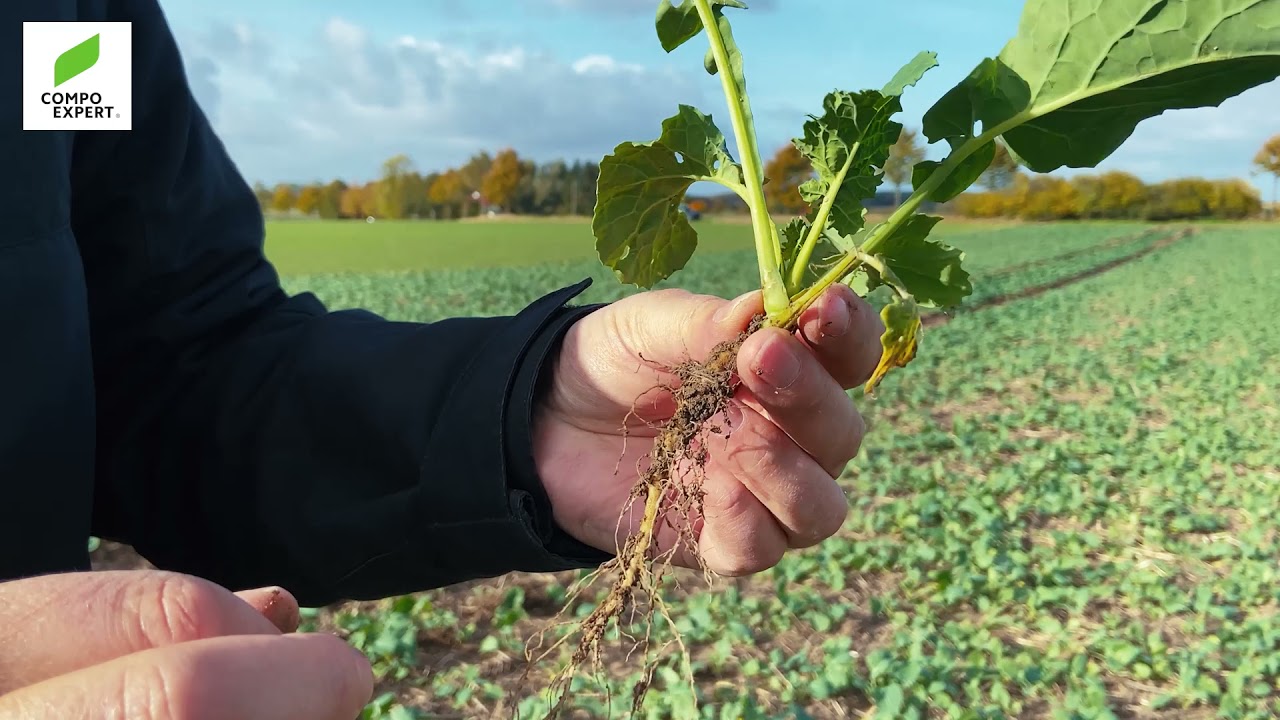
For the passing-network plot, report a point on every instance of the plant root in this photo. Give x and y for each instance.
(671, 490)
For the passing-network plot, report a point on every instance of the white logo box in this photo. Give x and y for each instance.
(98, 98)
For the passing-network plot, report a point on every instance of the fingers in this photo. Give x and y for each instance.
(294, 677)
(797, 393)
(843, 331)
(739, 535)
(70, 621)
(801, 498)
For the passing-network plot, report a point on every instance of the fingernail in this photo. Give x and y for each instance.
(778, 364)
(833, 319)
(730, 308)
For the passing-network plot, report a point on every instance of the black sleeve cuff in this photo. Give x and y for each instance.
(481, 508)
(529, 499)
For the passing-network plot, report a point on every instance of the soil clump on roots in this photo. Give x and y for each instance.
(670, 487)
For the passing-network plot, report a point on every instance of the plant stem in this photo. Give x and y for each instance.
(885, 230)
(891, 280)
(768, 249)
(820, 222)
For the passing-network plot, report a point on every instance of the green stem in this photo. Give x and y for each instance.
(820, 222)
(873, 262)
(885, 230)
(768, 249)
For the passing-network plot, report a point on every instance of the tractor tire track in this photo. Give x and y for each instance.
(1121, 241)
(938, 319)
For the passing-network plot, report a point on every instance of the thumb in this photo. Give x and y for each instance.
(275, 604)
(671, 326)
(295, 677)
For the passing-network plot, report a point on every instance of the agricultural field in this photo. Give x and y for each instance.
(1067, 507)
(310, 246)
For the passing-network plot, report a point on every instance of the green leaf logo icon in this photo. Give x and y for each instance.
(75, 61)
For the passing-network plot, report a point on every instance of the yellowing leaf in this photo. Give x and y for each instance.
(900, 339)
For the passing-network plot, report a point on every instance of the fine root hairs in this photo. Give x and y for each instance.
(670, 488)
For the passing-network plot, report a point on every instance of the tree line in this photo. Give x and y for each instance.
(486, 183)
(1115, 195)
(1008, 192)
(507, 183)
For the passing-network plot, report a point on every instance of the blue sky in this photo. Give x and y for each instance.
(304, 90)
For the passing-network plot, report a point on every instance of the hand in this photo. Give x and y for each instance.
(771, 485)
(159, 646)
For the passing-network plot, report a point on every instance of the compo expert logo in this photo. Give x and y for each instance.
(68, 65)
(60, 93)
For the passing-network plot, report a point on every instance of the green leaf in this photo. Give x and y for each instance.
(641, 231)
(852, 138)
(890, 703)
(928, 270)
(678, 25)
(900, 340)
(1123, 654)
(849, 144)
(75, 61)
(830, 247)
(1080, 75)
(958, 180)
(792, 236)
(911, 73)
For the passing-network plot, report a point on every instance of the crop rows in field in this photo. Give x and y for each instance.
(426, 296)
(1066, 508)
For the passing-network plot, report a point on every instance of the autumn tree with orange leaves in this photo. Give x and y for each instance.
(786, 172)
(503, 179)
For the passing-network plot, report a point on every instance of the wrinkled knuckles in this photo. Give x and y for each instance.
(754, 453)
(730, 505)
(749, 562)
(827, 520)
(170, 608)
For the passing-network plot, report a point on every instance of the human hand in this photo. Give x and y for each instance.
(770, 485)
(149, 645)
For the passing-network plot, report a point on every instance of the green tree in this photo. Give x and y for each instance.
(330, 202)
(1267, 161)
(472, 177)
(904, 155)
(391, 195)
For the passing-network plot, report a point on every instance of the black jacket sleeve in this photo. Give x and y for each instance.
(254, 438)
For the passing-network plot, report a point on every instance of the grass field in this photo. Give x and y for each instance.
(306, 247)
(1068, 507)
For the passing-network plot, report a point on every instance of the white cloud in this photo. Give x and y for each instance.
(351, 101)
(1207, 142)
(604, 64)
